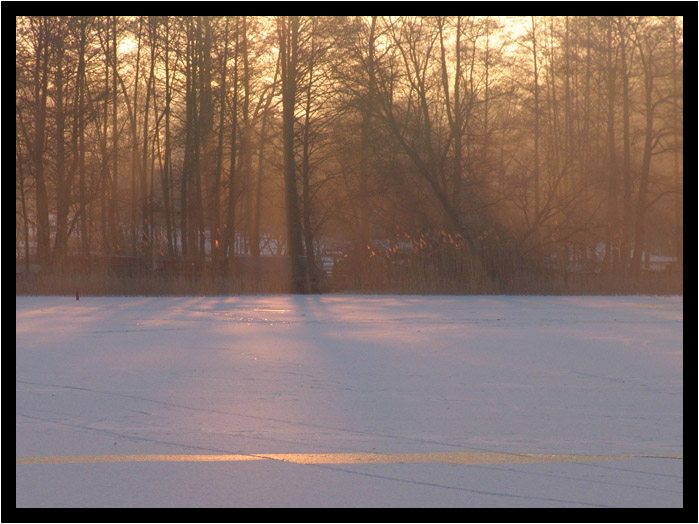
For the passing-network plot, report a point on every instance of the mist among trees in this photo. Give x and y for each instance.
(448, 154)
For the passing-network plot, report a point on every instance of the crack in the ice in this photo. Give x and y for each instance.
(295, 423)
(457, 488)
(256, 417)
(336, 468)
(513, 470)
(669, 457)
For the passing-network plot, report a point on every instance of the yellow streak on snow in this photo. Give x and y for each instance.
(344, 458)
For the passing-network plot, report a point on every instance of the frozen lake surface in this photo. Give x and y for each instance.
(350, 401)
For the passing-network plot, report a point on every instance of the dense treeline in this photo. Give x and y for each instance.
(446, 153)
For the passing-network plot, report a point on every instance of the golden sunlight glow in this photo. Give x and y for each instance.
(127, 45)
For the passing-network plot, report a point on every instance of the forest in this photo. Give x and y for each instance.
(304, 154)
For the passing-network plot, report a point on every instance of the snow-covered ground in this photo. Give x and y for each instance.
(260, 376)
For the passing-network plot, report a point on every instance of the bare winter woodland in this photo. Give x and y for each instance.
(457, 154)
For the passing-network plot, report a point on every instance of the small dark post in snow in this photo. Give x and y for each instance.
(77, 297)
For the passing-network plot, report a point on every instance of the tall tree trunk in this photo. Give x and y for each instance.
(84, 219)
(288, 48)
(187, 161)
(245, 174)
(568, 70)
(167, 161)
(367, 116)
(612, 204)
(627, 225)
(135, 165)
(114, 201)
(306, 167)
(146, 225)
(62, 187)
(486, 99)
(230, 215)
(43, 246)
(23, 201)
(205, 172)
(646, 56)
(677, 168)
(216, 239)
(537, 196)
(105, 178)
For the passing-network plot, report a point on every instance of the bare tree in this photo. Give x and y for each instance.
(41, 28)
(288, 31)
(545, 147)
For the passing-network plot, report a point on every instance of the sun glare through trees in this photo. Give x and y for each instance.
(408, 154)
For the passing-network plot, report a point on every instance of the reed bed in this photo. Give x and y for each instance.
(418, 276)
